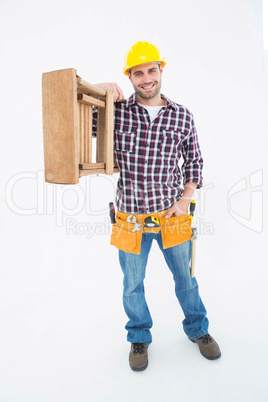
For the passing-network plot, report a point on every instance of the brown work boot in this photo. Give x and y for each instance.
(208, 347)
(138, 357)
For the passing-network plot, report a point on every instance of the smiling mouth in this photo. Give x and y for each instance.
(147, 87)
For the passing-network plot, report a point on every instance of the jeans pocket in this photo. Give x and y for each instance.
(176, 230)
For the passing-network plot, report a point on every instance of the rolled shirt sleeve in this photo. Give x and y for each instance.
(193, 162)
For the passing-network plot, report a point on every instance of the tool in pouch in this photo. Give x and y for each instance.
(194, 237)
(112, 212)
(130, 218)
(133, 219)
(150, 222)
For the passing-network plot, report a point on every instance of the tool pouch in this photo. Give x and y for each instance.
(123, 239)
(175, 230)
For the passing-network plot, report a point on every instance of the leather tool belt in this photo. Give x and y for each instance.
(174, 230)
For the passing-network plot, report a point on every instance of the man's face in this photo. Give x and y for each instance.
(146, 79)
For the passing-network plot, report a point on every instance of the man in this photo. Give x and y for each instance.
(151, 134)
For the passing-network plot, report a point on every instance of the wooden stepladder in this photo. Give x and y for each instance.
(68, 102)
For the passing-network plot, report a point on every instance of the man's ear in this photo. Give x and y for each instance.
(129, 76)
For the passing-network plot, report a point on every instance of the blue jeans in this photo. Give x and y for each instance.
(177, 258)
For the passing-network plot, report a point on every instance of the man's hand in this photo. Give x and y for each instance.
(181, 207)
(118, 93)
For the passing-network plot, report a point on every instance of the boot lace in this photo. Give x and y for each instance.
(206, 339)
(138, 348)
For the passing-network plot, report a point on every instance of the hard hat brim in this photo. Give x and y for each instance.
(163, 63)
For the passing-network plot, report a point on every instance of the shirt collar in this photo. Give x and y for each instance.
(131, 101)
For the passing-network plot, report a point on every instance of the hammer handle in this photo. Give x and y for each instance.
(193, 257)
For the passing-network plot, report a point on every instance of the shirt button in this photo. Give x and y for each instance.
(147, 145)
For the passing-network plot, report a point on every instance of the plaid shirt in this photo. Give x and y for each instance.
(148, 153)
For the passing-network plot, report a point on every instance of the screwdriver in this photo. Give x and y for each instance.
(192, 208)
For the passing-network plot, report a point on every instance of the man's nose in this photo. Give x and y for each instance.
(146, 79)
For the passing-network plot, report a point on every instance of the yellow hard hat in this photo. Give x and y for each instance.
(140, 53)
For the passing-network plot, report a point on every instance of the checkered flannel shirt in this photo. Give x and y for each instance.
(148, 153)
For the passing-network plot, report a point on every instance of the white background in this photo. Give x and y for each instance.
(62, 334)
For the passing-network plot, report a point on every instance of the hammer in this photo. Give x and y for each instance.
(194, 237)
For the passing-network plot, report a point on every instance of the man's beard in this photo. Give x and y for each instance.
(150, 95)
